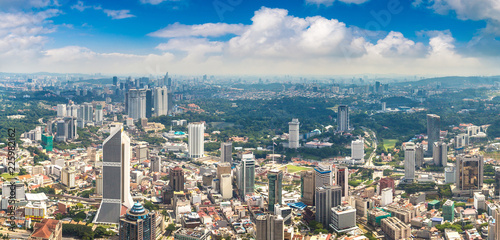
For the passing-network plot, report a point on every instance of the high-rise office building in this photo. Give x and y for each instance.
(177, 179)
(358, 151)
(433, 130)
(223, 168)
(99, 185)
(68, 177)
(342, 179)
(307, 187)
(410, 162)
(323, 173)
(461, 141)
(149, 103)
(136, 103)
(469, 173)
(176, 184)
(116, 176)
(88, 112)
(226, 152)
(72, 110)
(61, 110)
(293, 133)
(343, 218)
(226, 187)
(419, 155)
(246, 176)
(155, 163)
(196, 139)
(269, 227)
(66, 130)
(440, 154)
(99, 114)
(275, 178)
(115, 81)
(387, 182)
(170, 97)
(343, 118)
(326, 198)
(161, 101)
(139, 223)
(386, 197)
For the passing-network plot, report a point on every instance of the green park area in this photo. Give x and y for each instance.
(294, 169)
(389, 143)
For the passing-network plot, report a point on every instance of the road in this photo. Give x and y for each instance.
(17, 234)
(369, 132)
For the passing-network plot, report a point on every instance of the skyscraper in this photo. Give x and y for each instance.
(307, 187)
(342, 179)
(161, 101)
(419, 155)
(61, 110)
(99, 115)
(469, 170)
(66, 130)
(116, 176)
(323, 173)
(88, 113)
(226, 187)
(115, 81)
(409, 162)
(155, 163)
(137, 103)
(343, 118)
(170, 97)
(177, 179)
(326, 198)
(275, 178)
(440, 154)
(226, 152)
(139, 223)
(358, 151)
(433, 129)
(149, 103)
(196, 139)
(223, 168)
(246, 175)
(269, 227)
(293, 133)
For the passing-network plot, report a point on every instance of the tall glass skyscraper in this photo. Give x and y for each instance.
(116, 176)
(246, 176)
(275, 178)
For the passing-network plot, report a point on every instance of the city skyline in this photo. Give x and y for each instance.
(320, 37)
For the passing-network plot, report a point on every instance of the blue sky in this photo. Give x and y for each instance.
(323, 37)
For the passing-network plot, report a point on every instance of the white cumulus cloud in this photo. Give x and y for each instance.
(118, 14)
(199, 30)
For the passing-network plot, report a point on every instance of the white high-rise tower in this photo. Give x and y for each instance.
(410, 161)
(160, 95)
(196, 141)
(343, 118)
(293, 133)
(115, 176)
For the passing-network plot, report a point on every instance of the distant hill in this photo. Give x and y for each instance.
(453, 82)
